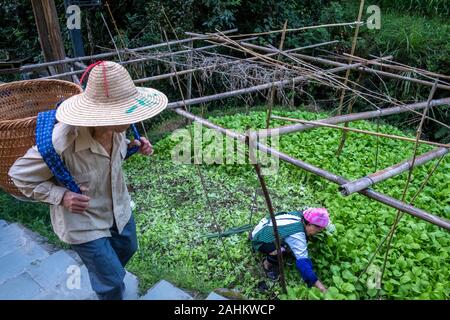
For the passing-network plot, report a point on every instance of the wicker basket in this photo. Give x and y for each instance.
(20, 102)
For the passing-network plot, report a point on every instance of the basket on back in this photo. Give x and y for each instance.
(20, 102)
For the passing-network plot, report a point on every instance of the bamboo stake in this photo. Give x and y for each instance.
(250, 142)
(350, 60)
(272, 90)
(111, 54)
(347, 74)
(408, 181)
(378, 134)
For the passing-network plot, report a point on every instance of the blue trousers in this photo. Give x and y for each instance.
(105, 259)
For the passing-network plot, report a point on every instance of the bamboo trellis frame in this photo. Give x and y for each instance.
(361, 65)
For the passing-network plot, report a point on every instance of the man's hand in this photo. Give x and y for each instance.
(145, 147)
(74, 202)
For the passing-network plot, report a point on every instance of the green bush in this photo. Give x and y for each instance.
(418, 7)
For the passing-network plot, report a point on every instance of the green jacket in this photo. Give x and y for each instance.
(288, 224)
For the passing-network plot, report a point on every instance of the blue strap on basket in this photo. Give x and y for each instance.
(44, 130)
(136, 136)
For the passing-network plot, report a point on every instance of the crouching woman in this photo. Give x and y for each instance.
(294, 228)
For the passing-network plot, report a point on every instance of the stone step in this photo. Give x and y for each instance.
(21, 287)
(215, 296)
(12, 237)
(17, 261)
(76, 288)
(131, 287)
(83, 290)
(53, 272)
(164, 290)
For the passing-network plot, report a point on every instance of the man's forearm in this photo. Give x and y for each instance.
(46, 191)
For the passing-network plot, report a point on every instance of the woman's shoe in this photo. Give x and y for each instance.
(272, 272)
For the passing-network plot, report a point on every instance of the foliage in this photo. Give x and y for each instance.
(173, 216)
(419, 7)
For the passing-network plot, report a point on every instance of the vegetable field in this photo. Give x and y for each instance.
(175, 212)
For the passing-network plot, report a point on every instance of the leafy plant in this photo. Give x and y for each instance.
(173, 217)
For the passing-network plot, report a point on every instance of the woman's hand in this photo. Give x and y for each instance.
(320, 286)
(145, 147)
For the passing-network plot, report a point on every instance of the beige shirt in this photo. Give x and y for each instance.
(91, 166)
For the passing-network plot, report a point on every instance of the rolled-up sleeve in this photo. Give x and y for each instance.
(34, 179)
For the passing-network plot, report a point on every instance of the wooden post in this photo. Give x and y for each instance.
(49, 32)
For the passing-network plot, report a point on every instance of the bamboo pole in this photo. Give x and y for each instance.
(416, 194)
(342, 24)
(377, 134)
(260, 87)
(399, 214)
(111, 54)
(356, 117)
(362, 68)
(272, 90)
(152, 57)
(347, 74)
(350, 60)
(250, 140)
(371, 179)
(401, 67)
(237, 61)
(385, 199)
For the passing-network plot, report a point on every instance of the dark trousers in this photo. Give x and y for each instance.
(268, 248)
(105, 259)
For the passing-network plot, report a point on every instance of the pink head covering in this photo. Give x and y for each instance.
(317, 216)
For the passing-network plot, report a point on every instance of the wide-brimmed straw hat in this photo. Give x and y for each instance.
(110, 98)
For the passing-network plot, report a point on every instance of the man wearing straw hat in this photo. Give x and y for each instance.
(90, 140)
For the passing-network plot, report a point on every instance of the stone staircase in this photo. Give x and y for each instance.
(31, 269)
